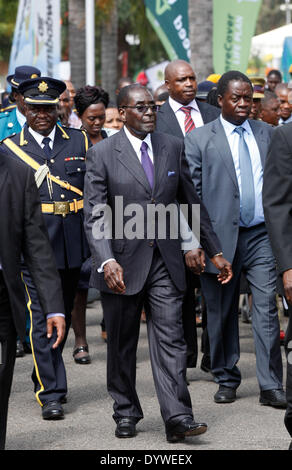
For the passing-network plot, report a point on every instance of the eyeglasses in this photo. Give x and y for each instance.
(143, 108)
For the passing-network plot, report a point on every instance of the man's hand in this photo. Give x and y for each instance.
(224, 267)
(195, 260)
(58, 323)
(287, 281)
(114, 277)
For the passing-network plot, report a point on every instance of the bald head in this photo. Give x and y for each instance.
(180, 80)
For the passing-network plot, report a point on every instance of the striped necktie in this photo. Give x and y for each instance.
(189, 123)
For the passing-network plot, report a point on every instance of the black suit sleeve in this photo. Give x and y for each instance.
(187, 195)
(277, 196)
(37, 251)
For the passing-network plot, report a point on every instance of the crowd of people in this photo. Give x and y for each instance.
(67, 156)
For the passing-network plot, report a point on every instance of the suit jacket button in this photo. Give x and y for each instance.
(52, 160)
(151, 244)
(62, 196)
(152, 200)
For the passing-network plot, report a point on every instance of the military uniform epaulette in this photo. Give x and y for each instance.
(7, 110)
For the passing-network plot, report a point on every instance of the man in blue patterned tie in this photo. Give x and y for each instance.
(226, 159)
(145, 169)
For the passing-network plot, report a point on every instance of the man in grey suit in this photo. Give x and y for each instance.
(143, 169)
(226, 159)
(178, 116)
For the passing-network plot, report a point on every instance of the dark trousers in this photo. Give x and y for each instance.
(7, 357)
(163, 307)
(49, 375)
(255, 258)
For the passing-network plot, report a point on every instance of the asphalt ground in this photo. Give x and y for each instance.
(88, 423)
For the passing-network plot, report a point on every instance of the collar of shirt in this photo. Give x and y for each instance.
(229, 127)
(281, 121)
(175, 105)
(39, 137)
(20, 118)
(136, 144)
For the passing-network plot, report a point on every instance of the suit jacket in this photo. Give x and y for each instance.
(277, 195)
(23, 233)
(67, 162)
(168, 123)
(113, 169)
(213, 174)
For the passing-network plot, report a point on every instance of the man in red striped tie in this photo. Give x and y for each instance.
(178, 116)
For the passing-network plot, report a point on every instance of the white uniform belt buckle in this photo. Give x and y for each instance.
(61, 208)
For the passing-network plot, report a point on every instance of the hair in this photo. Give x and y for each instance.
(123, 96)
(89, 95)
(269, 95)
(275, 72)
(212, 97)
(163, 96)
(232, 75)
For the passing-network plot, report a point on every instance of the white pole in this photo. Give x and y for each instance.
(90, 44)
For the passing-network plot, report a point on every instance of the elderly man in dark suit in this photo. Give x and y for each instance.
(179, 115)
(226, 159)
(277, 200)
(23, 233)
(143, 169)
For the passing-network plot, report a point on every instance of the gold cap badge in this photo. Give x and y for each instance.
(43, 87)
(34, 75)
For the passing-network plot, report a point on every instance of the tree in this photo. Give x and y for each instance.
(200, 35)
(77, 49)
(109, 50)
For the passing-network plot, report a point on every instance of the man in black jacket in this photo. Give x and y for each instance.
(180, 114)
(23, 234)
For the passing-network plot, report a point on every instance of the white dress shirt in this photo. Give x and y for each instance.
(257, 169)
(180, 115)
(20, 118)
(39, 137)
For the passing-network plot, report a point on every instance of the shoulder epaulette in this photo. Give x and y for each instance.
(11, 135)
(8, 108)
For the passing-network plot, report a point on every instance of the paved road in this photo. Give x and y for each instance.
(88, 425)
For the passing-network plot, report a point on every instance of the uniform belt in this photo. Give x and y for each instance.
(62, 207)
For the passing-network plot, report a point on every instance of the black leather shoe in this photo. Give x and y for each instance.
(83, 359)
(126, 427)
(225, 395)
(52, 410)
(186, 427)
(275, 398)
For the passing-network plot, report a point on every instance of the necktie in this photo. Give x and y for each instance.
(147, 163)
(189, 123)
(47, 149)
(247, 182)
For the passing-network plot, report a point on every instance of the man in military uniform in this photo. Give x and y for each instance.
(12, 118)
(57, 156)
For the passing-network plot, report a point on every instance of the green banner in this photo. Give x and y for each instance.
(169, 18)
(234, 23)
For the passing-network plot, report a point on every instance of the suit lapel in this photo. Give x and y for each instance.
(221, 143)
(31, 146)
(128, 158)
(60, 142)
(170, 118)
(160, 160)
(261, 140)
